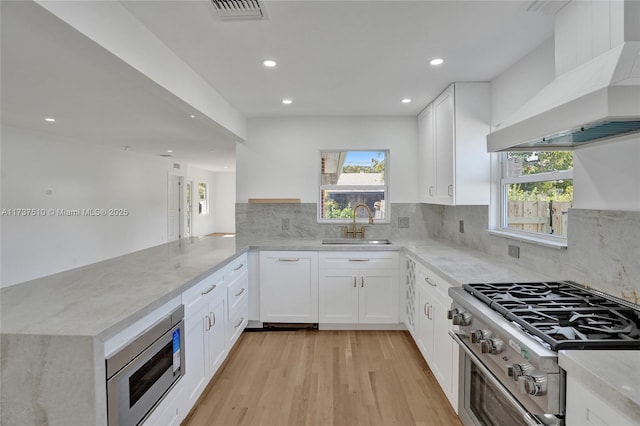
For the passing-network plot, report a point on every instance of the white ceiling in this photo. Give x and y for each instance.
(334, 58)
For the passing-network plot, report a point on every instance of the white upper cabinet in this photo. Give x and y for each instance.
(454, 165)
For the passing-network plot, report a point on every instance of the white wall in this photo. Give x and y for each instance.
(43, 172)
(281, 157)
(519, 83)
(225, 202)
(203, 224)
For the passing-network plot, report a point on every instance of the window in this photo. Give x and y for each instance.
(536, 192)
(349, 178)
(203, 199)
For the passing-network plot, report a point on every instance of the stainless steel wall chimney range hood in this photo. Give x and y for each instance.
(597, 100)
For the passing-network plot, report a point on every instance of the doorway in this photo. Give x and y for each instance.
(189, 208)
(175, 207)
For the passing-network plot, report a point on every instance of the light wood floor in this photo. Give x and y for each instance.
(324, 378)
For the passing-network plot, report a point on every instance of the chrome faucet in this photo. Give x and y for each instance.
(354, 231)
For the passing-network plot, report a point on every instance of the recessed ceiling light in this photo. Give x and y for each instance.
(192, 116)
(169, 150)
(269, 63)
(49, 119)
(406, 100)
(287, 101)
(226, 167)
(436, 61)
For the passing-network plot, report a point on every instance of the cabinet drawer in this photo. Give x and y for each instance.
(237, 291)
(348, 259)
(238, 319)
(436, 285)
(236, 268)
(211, 286)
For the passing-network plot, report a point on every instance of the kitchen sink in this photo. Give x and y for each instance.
(355, 242)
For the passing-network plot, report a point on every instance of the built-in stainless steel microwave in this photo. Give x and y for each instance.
(143, 372)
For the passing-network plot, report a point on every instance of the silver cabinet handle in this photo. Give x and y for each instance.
(241, 291)
(292, 259)
(239, 267)
(209, 290)
(213, 320)
(207, 326)
(362, 282)
(425, 310)
(238, 324)
(429, 312)
(431, 283)
(431, 191)
(358, 260)
(355, 282)
(450, 190)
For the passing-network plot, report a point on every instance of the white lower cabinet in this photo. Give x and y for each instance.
(204, 335)
(215, 314)
(169, 412)
(432, 331)
(289, 286)
(585, 407)
(358, 287)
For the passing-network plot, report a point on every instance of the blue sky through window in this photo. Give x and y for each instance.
(362, 158)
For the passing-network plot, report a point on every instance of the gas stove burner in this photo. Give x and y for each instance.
(562, 314)
(566, 333)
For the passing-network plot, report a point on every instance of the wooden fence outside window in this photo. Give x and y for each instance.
(533, 216)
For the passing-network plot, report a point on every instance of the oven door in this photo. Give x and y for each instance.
(138, 387)
(485, 401)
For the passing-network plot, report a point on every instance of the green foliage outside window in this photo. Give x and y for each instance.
(543, 162)
(333, 211)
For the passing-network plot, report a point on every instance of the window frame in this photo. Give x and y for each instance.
(500, 204)
(363, 188)
(205, 210)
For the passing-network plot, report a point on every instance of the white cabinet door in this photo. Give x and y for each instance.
(454, 164)
(426, 155)
(586, 408)
(338, 296)
(443, 119)
(445, 351)
(424, 324)
(289, 287)
(358, 287)
(432, 331)
(170, 411)
(215, 346)
(378, 296)
(195, 346)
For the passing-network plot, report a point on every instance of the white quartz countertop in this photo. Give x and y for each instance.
(100, 299)
(614, 375)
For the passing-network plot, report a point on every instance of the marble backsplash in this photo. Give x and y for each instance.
(603, 246)
(265, 221)
(603, 251)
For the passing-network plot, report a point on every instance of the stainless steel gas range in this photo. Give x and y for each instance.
(510, 335)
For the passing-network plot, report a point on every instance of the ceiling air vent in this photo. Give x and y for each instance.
(239, 10)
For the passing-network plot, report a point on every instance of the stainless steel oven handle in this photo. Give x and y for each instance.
(526, 416)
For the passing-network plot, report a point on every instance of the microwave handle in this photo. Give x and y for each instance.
(526, 416)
